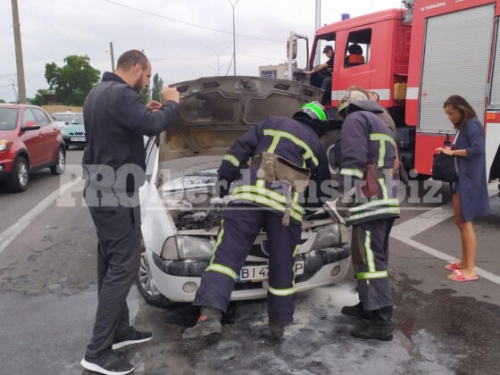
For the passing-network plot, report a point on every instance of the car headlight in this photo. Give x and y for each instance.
(194, 247)
(3, 144)
(187, 247)
(329, 236)
(63, 132)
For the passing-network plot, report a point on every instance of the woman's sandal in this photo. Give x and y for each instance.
(457, 275)
(453, 266)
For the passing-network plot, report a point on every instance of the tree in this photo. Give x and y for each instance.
(157, 88)
(72, 82)
(39, 98)
(2, 101)
(146, 95)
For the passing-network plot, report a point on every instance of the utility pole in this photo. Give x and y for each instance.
(112, 56)
(234, 37)
(317, 25)
(19, 53)
(217, 53)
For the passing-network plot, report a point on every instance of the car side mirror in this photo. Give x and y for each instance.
(30, 125)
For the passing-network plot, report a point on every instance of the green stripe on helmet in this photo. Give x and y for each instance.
(315, 110)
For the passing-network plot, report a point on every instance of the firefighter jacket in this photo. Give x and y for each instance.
(287, 138)
(364, 137)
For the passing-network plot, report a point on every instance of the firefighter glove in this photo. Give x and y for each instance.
(222, 187)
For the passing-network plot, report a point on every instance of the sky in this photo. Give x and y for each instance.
(184, 39)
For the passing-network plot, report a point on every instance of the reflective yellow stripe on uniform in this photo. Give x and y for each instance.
(370, 262)
(232, 159)
(215, 267)
(280, 199)
(383, 188)
(352, 172)
(219, 240)
(382, 138)
(391, 202)
(282, 292)
(281, 134)
(370, 258)
(266, 202)
(373, 213)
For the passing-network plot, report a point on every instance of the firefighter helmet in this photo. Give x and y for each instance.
(314, 110)
(348, 97)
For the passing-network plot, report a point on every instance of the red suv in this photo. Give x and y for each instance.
(29, 140)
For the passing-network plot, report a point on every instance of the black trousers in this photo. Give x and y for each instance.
(239, 229)
(370, 258)
(118, 261)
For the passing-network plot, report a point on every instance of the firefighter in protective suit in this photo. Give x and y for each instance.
(283, 155)
(364, 137)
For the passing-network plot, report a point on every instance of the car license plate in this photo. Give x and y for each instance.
(261, 272)
(77, 139)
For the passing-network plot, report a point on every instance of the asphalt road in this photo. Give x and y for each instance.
(48, 300)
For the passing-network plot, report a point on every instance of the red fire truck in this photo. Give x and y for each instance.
(415, 58)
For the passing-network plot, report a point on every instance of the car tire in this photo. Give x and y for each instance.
(20, 175)
(66, 146)
(60, 165)
(146, 285)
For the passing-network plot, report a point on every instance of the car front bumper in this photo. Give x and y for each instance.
(74, 140)
(321, 267)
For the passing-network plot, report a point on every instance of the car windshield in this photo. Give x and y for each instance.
(78, 119)
(70, 118)
(8, 118)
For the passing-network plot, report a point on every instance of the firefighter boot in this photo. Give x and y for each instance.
(277, 330)
(380, 327)
(208, 324)
(356, 311)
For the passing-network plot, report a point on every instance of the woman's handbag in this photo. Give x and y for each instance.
(443, 168)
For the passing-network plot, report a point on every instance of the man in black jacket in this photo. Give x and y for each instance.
(282, 153)
(116, 120)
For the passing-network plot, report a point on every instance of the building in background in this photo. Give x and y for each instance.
(273, 71)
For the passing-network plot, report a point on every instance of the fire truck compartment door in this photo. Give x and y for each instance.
(456, 62)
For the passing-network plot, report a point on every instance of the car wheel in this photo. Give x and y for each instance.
(60, 165)
(146, 285)
(20, 175)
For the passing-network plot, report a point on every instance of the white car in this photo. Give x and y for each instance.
(66, 118)
(181, 215)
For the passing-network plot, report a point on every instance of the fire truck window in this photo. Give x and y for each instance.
(358, 48)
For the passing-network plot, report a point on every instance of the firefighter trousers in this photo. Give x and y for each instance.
(239, 229)
(370, 257)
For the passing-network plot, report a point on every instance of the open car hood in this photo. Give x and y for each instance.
(215, 111)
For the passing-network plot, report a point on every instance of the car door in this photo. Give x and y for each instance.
(31, 139)
(48, 133)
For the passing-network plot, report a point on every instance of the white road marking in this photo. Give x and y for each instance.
(410, 228)
(10, 234)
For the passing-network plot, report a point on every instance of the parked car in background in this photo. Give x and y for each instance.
(65, 118)
(29, 140)
(72, 128)
(181, 214)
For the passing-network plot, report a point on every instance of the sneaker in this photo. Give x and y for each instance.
(205, 326)
(130, 337)
(108, 363)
